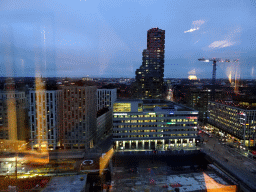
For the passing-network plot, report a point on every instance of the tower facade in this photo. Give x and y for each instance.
(79, 116)
(45, 118)
(149, 77)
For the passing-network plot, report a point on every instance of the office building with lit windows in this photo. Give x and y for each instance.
(149, 77)
(237, 119)
(153, 124)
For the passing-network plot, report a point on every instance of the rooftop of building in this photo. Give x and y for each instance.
(157, 105)
(246, 105)
(107, 88)
(74, 183)
(102, 111)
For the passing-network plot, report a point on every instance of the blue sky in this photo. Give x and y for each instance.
(76, 38)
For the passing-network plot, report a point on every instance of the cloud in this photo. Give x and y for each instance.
(196, 27)
(197, 41)
(198, 22)
(221, 44)
(229, 40)
(191, 30)
(192, 72)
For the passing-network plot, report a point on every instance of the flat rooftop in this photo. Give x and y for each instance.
(154, 105)
(150, 179)
(66, 184)
(238, 104)
(198, 182)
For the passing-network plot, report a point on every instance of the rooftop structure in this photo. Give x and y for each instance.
(242, 104)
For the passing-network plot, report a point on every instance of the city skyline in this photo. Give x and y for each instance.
(106, 39)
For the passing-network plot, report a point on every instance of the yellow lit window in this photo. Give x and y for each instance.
(122, 107)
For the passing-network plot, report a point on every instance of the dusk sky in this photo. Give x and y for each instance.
(105, 38)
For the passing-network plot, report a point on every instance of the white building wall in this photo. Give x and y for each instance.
(106, 98)
(43, 118)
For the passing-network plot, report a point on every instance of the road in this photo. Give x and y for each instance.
(230, 158)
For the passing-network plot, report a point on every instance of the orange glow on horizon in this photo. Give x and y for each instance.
(192, 77)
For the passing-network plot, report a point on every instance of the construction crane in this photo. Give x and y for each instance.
(215, 60)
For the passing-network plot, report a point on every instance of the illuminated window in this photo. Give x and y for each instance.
(122, 107)
(140, 109)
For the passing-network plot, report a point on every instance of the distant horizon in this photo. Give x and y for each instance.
(124, 78)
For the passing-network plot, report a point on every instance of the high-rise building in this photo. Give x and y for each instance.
(13, 115)
(149, 77)
(79, 116)
(13, 124)
(106, 98)
(14, 131)
(45, 118)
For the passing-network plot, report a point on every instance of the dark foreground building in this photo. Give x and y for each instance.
(149, 77)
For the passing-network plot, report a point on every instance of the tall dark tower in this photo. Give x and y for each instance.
(149, 77)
